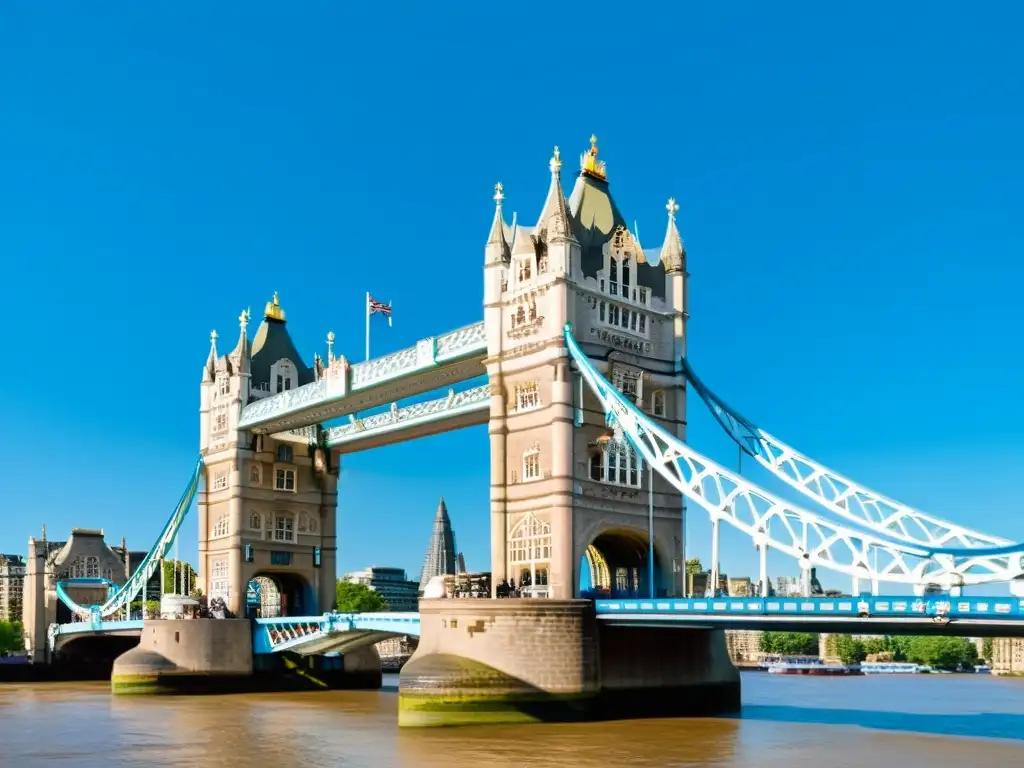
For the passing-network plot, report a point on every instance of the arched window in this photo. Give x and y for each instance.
(617, 464)
(658, 402)
(255, 521)
(314, 525)
(531, 465)
(529, 554)
(85, 568)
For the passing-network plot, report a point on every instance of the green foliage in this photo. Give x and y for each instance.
(789, 643)
(949, 653)
(152, 608)
(693, 566)
(358, 598)
(11, 636)
(849, 649)
(986, 649)
(176, 572)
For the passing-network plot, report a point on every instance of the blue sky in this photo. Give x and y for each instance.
(849, 191)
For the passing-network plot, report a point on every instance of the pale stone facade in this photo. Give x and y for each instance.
(85, 554)
(1008, 656)
(744, 645)
(267, 507)
(557, 492)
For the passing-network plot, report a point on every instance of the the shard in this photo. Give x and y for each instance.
(441, 555)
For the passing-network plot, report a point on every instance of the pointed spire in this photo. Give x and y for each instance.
(554, 217)
(439, 559)
(211, 359)
(240, 354)
(498, 235)
(673, 254)
(330, 347)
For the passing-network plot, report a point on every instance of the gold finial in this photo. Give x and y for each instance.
(273, 309)
(213, 336)
(330, 337)
(556, 161)
(243, 319)
(498, 196)
(672, 208)
(589, 163)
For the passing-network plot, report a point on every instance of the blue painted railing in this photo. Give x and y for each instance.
(1003, 608)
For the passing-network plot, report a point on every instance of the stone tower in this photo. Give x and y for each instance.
(440, 558)
(562, 494)
(267, 507)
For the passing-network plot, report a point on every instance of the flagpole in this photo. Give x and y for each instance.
(367, 325)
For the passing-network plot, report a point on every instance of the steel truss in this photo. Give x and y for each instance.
(777, 524)
(843, 496)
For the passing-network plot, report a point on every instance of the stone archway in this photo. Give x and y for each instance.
(615, 564)
(270, 595)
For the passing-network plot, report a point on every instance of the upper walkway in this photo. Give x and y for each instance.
(431, 363)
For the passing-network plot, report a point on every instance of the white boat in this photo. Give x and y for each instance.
(893, 668)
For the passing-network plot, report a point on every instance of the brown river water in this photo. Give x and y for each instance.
(925, 720)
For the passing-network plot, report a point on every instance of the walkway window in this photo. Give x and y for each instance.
(658, 402)
(284, 528)
(219, 579)
(284, 480)
(531, 465)
(527, 396)
(529, 553)
(617, 464)
(221, 527)
(284, 453)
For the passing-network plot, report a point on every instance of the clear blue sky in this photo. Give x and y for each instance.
(849, 183)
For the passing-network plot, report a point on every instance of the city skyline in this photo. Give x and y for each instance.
(853, 250)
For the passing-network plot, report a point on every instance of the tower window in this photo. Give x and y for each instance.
(525, 268)
(221, 527)
(284, 528)
(284, 480)
(658, 402)
(617, 465)
(224, 385)
(531, 465)
(527, 396)
(220, 480)
(220, 422)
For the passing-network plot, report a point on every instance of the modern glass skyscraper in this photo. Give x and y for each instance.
(441, 555)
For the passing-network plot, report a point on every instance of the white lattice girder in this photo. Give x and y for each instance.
(839, 494)
(780, 525)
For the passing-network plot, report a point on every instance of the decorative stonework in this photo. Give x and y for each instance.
(420, 412)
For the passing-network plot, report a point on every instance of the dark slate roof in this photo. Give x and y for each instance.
(13, 560)
(272, 343)
(595, 217)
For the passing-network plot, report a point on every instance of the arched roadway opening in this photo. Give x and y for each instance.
(614, 564)
(270, 595)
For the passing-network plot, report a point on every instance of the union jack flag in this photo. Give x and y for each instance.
(374, 307)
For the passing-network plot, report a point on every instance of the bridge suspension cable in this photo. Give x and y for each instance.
(136, 583)
(843, 496)
(775, 523)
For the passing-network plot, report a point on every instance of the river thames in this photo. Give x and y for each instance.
(926, 720)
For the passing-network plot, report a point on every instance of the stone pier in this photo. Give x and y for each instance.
(514, 661)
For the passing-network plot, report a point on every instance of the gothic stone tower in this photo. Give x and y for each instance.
(559, 489)
(267, 508)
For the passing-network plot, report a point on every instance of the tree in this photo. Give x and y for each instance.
(789, 643)
(950, 653)
(693, 566)
(358, 598)
(12, 637)
(850, 649)
(177, 573)
(986, 649)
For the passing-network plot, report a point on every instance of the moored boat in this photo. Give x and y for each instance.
(811, 667)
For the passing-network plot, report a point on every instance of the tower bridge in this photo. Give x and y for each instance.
(583, 346)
